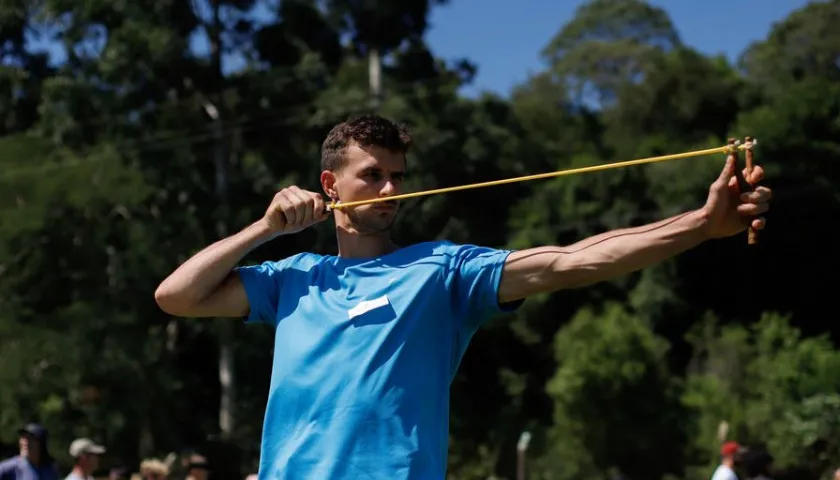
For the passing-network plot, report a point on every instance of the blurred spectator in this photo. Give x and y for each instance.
(85, 454)
(153, 469)
(730, 453)
(198, 468)
(118, 473)
(34, 461)
(760, 467)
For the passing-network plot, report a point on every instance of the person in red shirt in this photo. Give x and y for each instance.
(730, 453)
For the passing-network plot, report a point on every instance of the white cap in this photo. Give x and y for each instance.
(85, 445)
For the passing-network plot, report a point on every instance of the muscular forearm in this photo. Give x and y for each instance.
(619, 252)
(200, 276)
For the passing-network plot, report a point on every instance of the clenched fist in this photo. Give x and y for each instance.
(293, 210)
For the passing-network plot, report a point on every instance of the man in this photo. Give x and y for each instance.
(118, 473)
(154, 469)
(197, 468)
(368, 341)
(762, 466)
(85, 454)
(729, 453)
(34, 461)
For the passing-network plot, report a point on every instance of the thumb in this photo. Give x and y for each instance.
(728, 172)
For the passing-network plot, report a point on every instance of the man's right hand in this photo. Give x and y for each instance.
(293, 210)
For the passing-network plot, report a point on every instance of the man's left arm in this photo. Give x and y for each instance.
(601, 257)
(612, 254)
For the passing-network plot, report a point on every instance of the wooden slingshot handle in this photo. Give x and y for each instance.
(743, 185)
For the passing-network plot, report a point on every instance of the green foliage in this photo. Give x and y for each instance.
(612, 383)
(771, 385)
(607, 44)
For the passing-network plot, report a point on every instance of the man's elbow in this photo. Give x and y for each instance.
(226, 300)
(171, 302)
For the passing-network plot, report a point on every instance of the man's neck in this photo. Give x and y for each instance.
(79, 472)
(352, 245)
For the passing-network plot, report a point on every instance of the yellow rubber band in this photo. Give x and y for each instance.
(572, 171)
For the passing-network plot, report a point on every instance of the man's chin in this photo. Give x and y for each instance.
(380, 224)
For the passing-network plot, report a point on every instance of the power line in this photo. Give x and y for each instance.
(206, 133)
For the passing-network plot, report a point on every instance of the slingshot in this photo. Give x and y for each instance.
(732, 149)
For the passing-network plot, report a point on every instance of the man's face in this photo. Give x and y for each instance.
(91, 461)
(369, 172)
(29, 446)
(198, 474)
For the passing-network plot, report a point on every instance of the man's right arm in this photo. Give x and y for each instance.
(206, 284)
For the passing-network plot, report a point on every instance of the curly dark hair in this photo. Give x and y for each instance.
(366, 130)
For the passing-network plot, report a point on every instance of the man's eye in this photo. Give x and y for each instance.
(375, 175)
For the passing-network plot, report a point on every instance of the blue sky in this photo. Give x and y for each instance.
(505, 37)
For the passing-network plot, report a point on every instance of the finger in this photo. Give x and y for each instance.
(287, 207)
(308, 204)
(756, 176)
(319, 208)
(727, 172)
(274, 211)
(752, 209)
(294, 198)
(759, 223)
(303, 206)
(759, 195)
(766, 192)
(733, 182)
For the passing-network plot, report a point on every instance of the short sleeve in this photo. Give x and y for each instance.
(476, 276)
(263, 284)
(7, 469)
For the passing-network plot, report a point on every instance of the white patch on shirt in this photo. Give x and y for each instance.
(366, 306)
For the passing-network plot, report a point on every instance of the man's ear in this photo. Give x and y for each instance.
(328, 184)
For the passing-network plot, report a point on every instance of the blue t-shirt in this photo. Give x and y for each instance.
(365, 351)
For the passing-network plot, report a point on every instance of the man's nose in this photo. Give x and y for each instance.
(389, 188)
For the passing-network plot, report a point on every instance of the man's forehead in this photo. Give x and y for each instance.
(375, 157)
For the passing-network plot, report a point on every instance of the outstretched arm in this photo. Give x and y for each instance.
(598, 258)
(616, 253)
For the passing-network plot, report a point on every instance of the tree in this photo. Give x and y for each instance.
(607, 44)
(616, 404)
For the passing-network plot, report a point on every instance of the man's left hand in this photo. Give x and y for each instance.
(729, 211)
